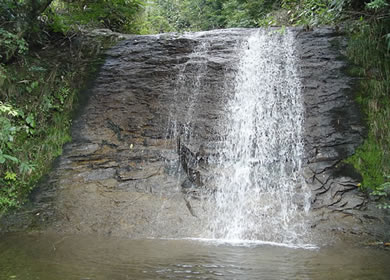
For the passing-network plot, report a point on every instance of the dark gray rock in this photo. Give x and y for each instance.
(144, 148)
(333, 130)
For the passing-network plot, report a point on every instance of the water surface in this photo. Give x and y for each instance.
(52, 256)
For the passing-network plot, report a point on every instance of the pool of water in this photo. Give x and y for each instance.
(53, 256)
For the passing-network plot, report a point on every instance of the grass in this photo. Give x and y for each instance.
(367, 50)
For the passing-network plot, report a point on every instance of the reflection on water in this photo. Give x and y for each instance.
(49, 257)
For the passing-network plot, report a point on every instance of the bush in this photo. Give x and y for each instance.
(11, 45)
(117, 15)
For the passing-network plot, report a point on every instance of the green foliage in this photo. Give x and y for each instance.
(10, 176)
(117, 15)
(241, 13)
(207, 14)
(167, 15)
(312, 12)
(162, 16)
(11, 45)
(8, 131)
(367, 48)
(8, 11)
(367, 159)
(387, 38)
(37, 95)
(170, 15)
(377, 4)
(381, 6)
(382, 192)
(36, 103)
(200, 15)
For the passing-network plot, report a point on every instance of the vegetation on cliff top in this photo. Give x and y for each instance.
(44, 64)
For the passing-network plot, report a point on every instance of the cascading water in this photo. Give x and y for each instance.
(260, 190)
(190, 78)
(255, 171)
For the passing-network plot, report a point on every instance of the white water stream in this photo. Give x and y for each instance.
(260, 189)
(260, 193)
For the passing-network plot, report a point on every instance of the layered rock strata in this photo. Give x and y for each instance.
(138, 165)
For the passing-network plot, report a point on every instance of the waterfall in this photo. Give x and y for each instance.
(260, 191)
(253, 182)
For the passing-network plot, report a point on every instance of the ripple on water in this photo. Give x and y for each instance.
(53, 256)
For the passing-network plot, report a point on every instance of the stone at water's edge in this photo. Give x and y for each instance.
(122, 175)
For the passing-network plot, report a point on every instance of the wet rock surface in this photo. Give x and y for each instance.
(334, 129)
(139, 163)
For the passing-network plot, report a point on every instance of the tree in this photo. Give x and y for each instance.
(17, 21)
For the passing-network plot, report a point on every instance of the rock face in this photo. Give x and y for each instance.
(334, 128)
(138, 165)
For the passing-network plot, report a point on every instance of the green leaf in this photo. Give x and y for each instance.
(30, 120)
(4, 157)
(34, 84)
(10, 176)
(376, 4)
(8, 109)
(11, 158)
(26, 167)
(387, 38)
